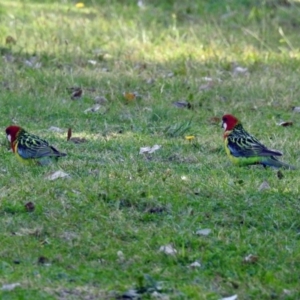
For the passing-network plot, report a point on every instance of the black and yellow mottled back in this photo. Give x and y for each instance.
(32, 147)
(242, 144)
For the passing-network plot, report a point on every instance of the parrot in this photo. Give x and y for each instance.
(31, 149)
(244, 149)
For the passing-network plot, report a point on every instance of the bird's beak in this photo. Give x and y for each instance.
(224, 125)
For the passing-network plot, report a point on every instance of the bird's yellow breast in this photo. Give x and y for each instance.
(234, 159)
(20, 158)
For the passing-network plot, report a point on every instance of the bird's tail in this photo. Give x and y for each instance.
(273, 162)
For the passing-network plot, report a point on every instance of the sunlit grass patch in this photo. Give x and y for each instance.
(155, 76)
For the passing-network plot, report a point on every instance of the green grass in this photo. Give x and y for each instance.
(119, 200)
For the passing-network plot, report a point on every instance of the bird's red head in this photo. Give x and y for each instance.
(12, 133)
(229, 122)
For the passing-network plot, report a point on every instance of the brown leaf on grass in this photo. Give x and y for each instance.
(207, 86)
(76, 92)
(69, 134)
(182, 104)
(285, 124)
(287, 292)
(141, 4)
(140, 66)
(55, 129)
(42, 260)
(33, 62)
(94, 108)
(92, 62)
(296, 109)
(203, 232)
(280, 174)
(29, 206)
(9, 40)
(250, 259)
(264, 186)
(168, 249)
(79, 5)
(56, 175)
(195, 265)
(189, 138)
(130, 96)
(8, 58)
(150, 81)
(215, 120)
(100, 100)
(238, 70)
(37, 231)
(156, 210)
(75, 140)
(149, 149)
(10, 286)
(234, 297)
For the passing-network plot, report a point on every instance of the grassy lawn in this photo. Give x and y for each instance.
(101, 233)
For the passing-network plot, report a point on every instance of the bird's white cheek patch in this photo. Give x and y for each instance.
(225, 126)
(9, 138)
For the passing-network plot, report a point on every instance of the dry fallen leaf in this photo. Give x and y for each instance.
(209, 79)
(69, 134)
(215, 120)
(170, 75)
(100, 100)
(140, 66)
(204, 232)
(92, 62)
(32, 62)
(189, 137)
(10, 40)
(130, 96)
(94, 108)
(10, 287)
(79, 5)
(150, 81)
(250, 259)
(280, 174)
(207, 86)
(55, 129)
(237, 70)
(234, 297)
(140, 4)
(56, 175)
(149, 149)
(287, 292)
(75, 140)
(195, 264)
(156, 210)
(182, 104)
(168, 249)
(121, 256)
(37, 231)
(285, 124)
(296, 109)
(42, 260)
(264, 186)
(76, 92)
(29, 206)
